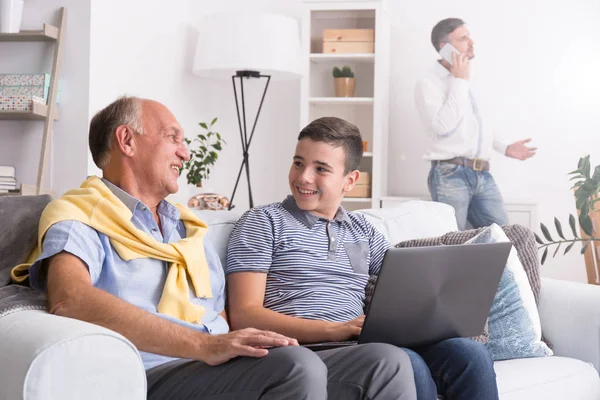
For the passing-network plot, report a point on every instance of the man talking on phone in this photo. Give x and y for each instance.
(461, 144)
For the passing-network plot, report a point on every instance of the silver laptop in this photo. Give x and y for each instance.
(427, 294)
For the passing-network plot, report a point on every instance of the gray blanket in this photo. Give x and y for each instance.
(14, 298)
(19, 218)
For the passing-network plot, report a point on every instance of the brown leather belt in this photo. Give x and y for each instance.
(477, 164)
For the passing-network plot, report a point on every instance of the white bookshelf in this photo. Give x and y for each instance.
(367, 101)
(320, 58)
(368, 110)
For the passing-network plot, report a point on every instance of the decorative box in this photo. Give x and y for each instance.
(38, 91)
(362, 187)
(348, 41)
(40, 79)
(19, 103)
(360, 191)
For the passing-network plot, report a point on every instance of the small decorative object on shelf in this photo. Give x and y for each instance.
(204, 150)
(348, 41)
(11, 15)
(344, 81)
(209, 201)
(362, 187)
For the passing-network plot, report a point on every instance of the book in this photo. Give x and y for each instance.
(7, 171)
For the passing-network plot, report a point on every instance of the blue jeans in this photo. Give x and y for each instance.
(458, 369)
(473, 194)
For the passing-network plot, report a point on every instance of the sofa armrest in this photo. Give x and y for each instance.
(570, 318)
(49, 357)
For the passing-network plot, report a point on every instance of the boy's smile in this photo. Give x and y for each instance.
(317, 179)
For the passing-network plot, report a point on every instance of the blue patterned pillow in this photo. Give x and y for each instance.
(514, 326)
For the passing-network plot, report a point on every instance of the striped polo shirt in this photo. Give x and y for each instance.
(316, 268)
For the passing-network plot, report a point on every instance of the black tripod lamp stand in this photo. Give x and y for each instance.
(244, 46)
(244, 137)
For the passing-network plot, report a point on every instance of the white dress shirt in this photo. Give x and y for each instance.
(451, 118)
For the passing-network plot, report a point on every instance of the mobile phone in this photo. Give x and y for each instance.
(446, 52)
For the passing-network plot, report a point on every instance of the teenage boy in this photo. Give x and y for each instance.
(300, 267)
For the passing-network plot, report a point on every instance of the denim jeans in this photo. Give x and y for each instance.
(458, 369)
(473, 194)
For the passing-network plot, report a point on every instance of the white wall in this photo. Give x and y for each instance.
(535, 74)
(20, 141)
(147, 49)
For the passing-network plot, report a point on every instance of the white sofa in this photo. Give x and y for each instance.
(48, 357)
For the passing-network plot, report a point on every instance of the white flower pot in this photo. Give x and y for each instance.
(11, 14)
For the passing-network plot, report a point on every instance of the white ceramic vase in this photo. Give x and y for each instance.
(11, 15)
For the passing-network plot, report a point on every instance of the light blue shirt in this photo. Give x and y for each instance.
(140, 281)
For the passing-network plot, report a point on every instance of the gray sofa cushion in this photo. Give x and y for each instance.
(19, 216)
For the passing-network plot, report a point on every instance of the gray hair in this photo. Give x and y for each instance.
(126, 110)
(442, 29)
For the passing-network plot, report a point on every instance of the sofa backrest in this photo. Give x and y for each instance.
(410, 220)
(19, 219)
(220, 224)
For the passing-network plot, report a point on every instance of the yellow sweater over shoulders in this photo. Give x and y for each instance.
(95, 205)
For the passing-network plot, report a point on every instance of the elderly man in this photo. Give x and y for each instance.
(461, 143)
(117, 254)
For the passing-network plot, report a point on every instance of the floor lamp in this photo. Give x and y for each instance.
(242, 46)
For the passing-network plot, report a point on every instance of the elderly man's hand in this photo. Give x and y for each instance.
(249, 342)
(519, 151)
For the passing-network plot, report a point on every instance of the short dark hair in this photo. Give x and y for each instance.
(338, 133)
(442, 29)
(126, 110)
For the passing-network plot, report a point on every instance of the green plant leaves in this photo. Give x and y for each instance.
(544, 255)
(538, 239)
(572, 224)
(568, 248)
(558, 228)
(203, 153)
(585, 246)
(546, 233)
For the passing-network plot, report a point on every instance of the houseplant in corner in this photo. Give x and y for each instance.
(586, 189)
(344, 81)
(204, 150)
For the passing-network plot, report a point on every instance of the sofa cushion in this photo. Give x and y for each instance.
(548, 378)
(220, 224)
(20, 216)
(514, 323)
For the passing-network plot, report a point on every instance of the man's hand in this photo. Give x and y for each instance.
(461, 66)
(248, 342)
(340, 331)
(519, 151)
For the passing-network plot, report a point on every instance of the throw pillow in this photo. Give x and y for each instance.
(514, 327)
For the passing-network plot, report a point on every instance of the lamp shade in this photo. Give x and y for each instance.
(236, 41)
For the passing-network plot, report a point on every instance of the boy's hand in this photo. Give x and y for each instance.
(340, 331)
(249, 342)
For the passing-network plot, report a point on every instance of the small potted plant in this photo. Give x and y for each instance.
(204, 150)
(344, 81)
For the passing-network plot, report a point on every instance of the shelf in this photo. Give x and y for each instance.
(357, 57)
(356, 200)
(368, 154)
(48, 34)
(38, 113)
(341, 100)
